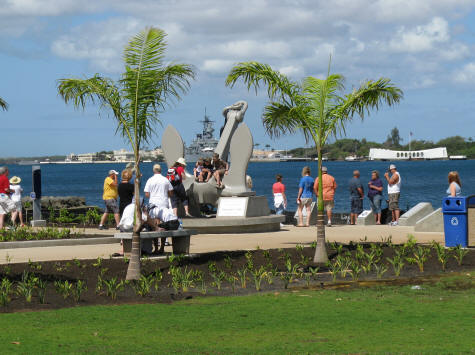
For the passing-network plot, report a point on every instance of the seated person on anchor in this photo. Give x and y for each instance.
(220, 168)
(198, 170)
(161, 218)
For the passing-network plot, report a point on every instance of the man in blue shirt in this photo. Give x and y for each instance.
(356, 196)
(304, 198)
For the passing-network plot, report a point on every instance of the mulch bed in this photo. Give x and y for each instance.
(228, 262)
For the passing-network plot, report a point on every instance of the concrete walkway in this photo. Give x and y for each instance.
(288, 237)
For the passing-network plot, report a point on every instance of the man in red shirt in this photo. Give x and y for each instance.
(6, 204)
(329, 187)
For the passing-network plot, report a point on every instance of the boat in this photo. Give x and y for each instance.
(352, 158)
(458, 157)
(204, 144)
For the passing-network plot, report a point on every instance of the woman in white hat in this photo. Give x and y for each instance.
(16, 198)
(176, 174)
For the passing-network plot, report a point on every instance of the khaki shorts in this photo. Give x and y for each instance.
(306, 201)
(6, 204)
(393, 203)
(328, 205)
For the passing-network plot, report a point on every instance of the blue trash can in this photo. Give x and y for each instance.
(455, 221)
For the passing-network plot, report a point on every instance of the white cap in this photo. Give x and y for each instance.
(392, 166)
(113, 172)
(324, 169)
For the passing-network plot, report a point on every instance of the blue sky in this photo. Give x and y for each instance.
(425, 47)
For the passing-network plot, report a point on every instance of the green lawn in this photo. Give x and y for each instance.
(433, 320)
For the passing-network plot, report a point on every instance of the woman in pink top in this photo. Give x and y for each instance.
(280, 200)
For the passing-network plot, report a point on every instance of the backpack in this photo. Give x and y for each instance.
(173, 177)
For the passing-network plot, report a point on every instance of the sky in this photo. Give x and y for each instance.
(425, 47)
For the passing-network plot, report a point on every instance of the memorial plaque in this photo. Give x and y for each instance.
(232, 207)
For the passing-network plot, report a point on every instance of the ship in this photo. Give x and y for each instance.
(204, 144)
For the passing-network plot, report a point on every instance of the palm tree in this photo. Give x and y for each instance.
(135, 101)
(317, 108)
(3, 104)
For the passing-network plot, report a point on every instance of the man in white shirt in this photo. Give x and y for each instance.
(158, 189)
(394, 190)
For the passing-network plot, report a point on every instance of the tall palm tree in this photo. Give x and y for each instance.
(135, 101)
(317, 108)
(3, 104)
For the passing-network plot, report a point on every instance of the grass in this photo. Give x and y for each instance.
(436, 319)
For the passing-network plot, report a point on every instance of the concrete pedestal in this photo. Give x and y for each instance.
(313, 215)
(366, 218)
(38, 223)
(433, 222)
(416, 213)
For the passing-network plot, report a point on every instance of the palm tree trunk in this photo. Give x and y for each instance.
(321, 256)
(133, 271)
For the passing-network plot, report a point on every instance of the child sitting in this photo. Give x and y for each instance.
(198, 169)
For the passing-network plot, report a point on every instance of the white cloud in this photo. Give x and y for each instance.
(217, 66)
(465, 75)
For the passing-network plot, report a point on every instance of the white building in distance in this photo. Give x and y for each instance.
(426, 154)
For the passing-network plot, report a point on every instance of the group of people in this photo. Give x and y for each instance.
(10, 197)
(309, 187)
(207, 168)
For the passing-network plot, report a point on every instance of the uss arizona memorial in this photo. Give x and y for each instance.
(426, 154)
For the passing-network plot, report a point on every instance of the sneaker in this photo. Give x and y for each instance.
(102, 227)
(329, 224)
(117, 228)
(395, 223)
(281, 225)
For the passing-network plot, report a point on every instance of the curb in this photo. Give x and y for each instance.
(57, 242)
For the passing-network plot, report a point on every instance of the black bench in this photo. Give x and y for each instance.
(180, 239)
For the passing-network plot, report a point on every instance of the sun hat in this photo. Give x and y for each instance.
(15, 180)
(392, 166)
(324, 169)
(113, 172)
(181, 161)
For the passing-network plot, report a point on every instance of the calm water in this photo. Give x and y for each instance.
(422, 180)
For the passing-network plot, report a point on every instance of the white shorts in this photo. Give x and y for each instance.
(6, 204)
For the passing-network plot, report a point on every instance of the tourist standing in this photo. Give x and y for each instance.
(126, 190)
(455, 186)
(304, 198)
(329, 187)
(356, 196)
(394, 190)
(16, 198)
(176, 174)
(6, 204)
(220, 168)
(110, 199)
(280, 200)
(375, 195)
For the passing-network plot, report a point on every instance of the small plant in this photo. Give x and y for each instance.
(77, 263)
(314, 271)
(459, 253)
(304, 260)
(63, 288)
(41, 289)
(175, 260)
(26, 286)
(258, 275)
(78, 289)
(232, 278)
(337, 247)
(34, 266)
(5, 291)
(342, 264)
(313, 245)
(98, 262)
(398, 263)
(266, 255)
(143, 285)
(334, 268)
(290, 272)
(380, 270)
(218, 278)
(228, 262)
(242, 276)
(299, 247)
(212, 267)
(199, 278)
(442, 254)
(408, 247)
(157, 277)
(419, 257)
(355, 270)
(249, 262)
(113, 287)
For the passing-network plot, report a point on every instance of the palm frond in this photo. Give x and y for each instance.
(3, 104)
(255, 74)
(281, 119)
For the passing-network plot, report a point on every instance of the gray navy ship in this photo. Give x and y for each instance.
(204, 144)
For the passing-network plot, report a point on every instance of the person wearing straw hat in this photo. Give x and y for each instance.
(6, 204)
(110, 199)
(16, 198)
(176, 174)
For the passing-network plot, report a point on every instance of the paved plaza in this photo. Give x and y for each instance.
(288, 237)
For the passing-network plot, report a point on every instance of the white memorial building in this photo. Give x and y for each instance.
(426, 154)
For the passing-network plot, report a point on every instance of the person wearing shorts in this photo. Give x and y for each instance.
(328, 186)
(394, 190)
(304, 198)
(110, 199)
(6, 204)
(220, 168)
(356, 196)
(375, 195)
(16, 198)
(179, 193)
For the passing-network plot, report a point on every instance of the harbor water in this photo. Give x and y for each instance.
(421, 180)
